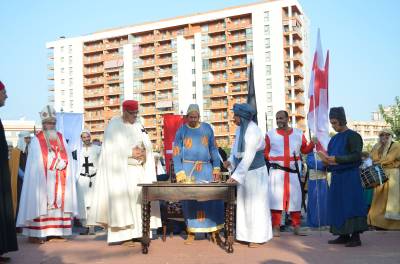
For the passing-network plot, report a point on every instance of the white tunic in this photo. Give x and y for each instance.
(84, 191)
(116, 200)
(281, 152)
(253, 217)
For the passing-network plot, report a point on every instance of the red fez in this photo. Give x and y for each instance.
(2, 87)
(130, 105)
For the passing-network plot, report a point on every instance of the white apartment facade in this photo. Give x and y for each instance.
(201, 58)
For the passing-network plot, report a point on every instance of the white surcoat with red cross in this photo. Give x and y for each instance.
(285, 191)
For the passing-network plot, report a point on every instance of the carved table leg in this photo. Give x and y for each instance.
(145, 222)
(231, 217)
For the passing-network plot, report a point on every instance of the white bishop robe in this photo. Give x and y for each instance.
(253, 216)
(41, 212)
(84, 191)
(116, 200)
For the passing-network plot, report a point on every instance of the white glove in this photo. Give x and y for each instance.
(61, 164)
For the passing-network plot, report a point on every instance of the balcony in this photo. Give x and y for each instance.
(164, 61)
(92, 48)
(93, 94)
(112, 102)
(216, 28)
(113, 45)
(236, 25)
(216, 41)
(50, 77)
(93, 71)
(165, 49)
(114, 79)
(165, 73)
(92, 60)
(296, 87)
(146, 52)
(148, 111)
(237, 38)
(93, 82)
(93, 105)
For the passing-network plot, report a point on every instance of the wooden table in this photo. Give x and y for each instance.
(180, 191)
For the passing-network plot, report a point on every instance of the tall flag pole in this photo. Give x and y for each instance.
(317, 116)
(251, 92)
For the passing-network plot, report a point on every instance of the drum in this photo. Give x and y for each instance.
(372, 176)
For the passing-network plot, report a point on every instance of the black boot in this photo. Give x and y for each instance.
(354, 241)
(342, 239)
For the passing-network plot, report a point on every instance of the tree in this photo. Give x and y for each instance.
(392, 117)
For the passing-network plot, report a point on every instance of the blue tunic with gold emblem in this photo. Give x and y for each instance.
(196, 155)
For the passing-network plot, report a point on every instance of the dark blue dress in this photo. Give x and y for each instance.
(346, 209)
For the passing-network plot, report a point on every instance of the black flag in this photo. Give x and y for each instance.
(251, 92)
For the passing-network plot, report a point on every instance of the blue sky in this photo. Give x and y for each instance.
(362, 35)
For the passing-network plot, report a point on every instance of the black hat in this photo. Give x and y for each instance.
(339, 114)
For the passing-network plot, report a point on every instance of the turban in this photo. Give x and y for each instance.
(339, 114)
(2, 86)
(130, 105)
(193, 108)
(246, 113)
(386, 131)
(48, 114)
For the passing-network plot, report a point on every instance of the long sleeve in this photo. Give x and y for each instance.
(267, 147)
(177, 152)
(305, 146)
(392, 159)
(354, 147)
(252, 139)
(213, 152)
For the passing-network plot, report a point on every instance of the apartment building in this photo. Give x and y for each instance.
(202, 59)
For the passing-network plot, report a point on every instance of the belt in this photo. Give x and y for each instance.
(88, 175)
(196, 161)
(279, 167)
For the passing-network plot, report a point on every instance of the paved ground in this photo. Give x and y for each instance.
(378, 247)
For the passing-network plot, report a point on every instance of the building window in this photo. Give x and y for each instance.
(193, 46)
(268, 69)
(194, 96)
(193, 58)
(70, 59)
(62, 49)
(62, 59)
(269, 97)
(267, 43)
(70, 48)
(62, 81)
(62, 70)
(193, 71)
(268, 83)
(266, 30)
(194, 83)
(267, 56)
(70, 81)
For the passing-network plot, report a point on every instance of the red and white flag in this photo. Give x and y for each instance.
(317, 116)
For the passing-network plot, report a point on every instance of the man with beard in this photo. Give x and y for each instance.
(88, 157)
(282, 150)
(126, 159)
(48, 198)
(8, 236)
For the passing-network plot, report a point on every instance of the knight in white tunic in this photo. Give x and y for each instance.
(253, 218)
(88, 156)
(48, 198)
(126, 159)
(283, 148)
